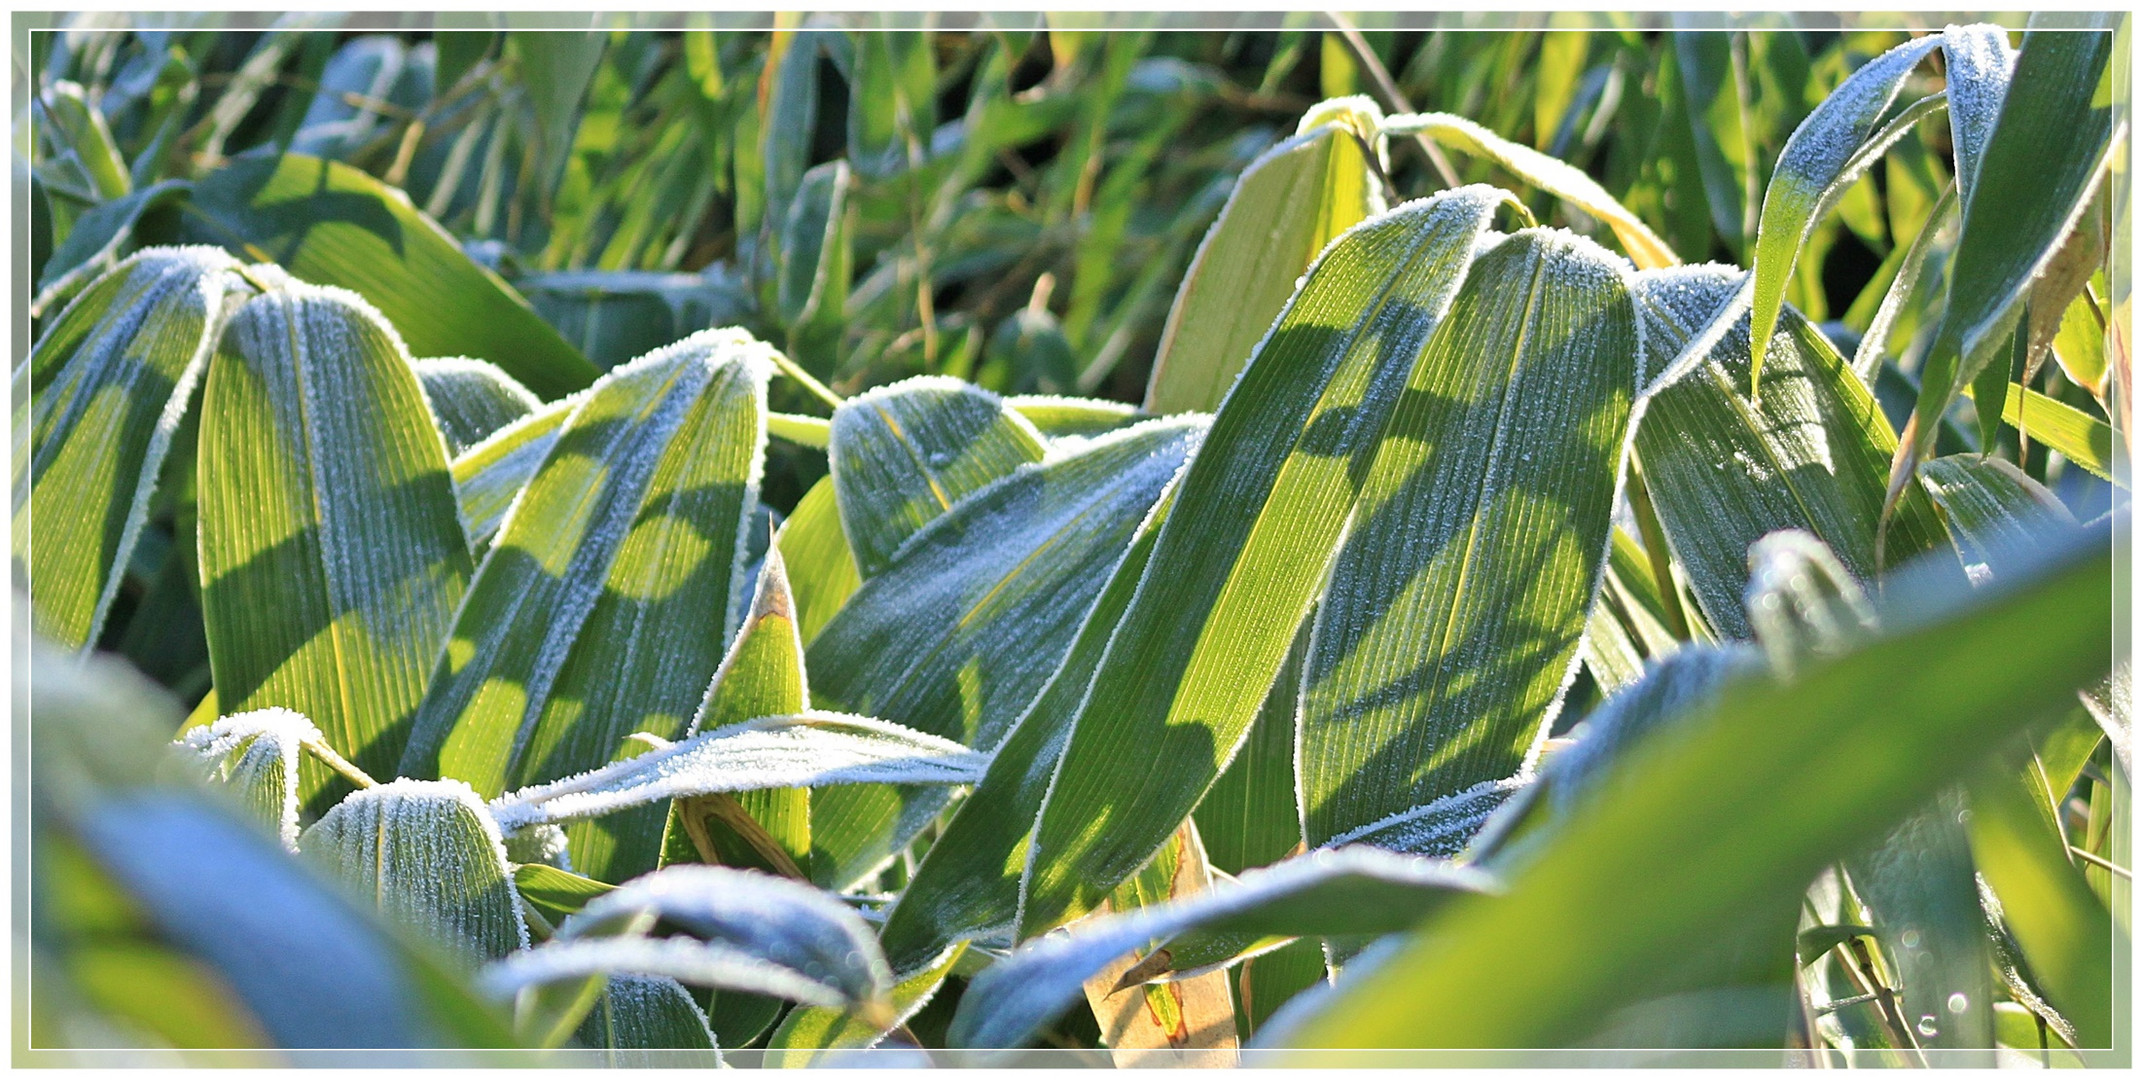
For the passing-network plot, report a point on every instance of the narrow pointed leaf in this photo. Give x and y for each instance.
(1250, 818)
(1055, 416)
(1286, 206)
(763, 675)
(1724, 471)
(472, 399)
(1451, 623)
(1814, 774)
(1995, 512)
(428, 853)
(2076, 435)
(329, 223)
(1245, 548)
(1441, 828)
(903, 454)
(587, 620)
(332, 554)
(558, 893)
(1557, 178)
(1813, 162)
(100, 238)
(808, 750)
(961, 631)
(109, 382)
(1359, 891)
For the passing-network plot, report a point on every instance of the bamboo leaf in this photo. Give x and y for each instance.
(1055, 416)
(1249, 818)
(106, 388)
(429, 854)
(332, 557)
(903, 454)
(1724, 470)
(762, 675)
(809, 1035)
(1355, 892)
(328, 223)
(1485, 520)
(1813, 774)
(638, 1012)
(1257, 516)
(968, 883)
(558, 892)
(472, 399)
(807, 750)
(2035, 181)
(1287, 205)
(1995, 512)
(98, 241)
(585, 622)
(963, 629)
(2073, 433)
(1557, 178)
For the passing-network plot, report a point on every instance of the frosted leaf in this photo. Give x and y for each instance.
(256, 754)
(642, 1012)
(544, 844)
(1349, 891)
(1440, 828)
(489, 476)
(1977, 62)
(428, 852)
(688, 960)
(1802, 601)
(782, 922)
(807, 750)
(471, 399)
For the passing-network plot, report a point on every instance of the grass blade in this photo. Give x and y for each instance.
(472, 399)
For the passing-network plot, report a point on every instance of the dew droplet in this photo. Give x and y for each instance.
(1926, 1027)
(1958, 1003)
(1910, 938)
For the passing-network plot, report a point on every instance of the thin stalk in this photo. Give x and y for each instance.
(795, 371)
(340, 764)
(1394, 98)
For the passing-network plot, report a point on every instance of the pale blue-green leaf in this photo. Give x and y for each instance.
(489, 475)
(641, 1012)
(1056, 416)
(472, 399)
(255, 755)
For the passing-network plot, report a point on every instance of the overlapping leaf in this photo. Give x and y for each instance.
(1451, 621)
(587, 621)
(107, 385)
(256, 756)
(489, 475)
(903, 454)
(472, 399)
(332, 556)
(1253, 528)
(640, 1012)
(1287, 205)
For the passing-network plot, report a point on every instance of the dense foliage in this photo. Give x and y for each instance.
(702, 541)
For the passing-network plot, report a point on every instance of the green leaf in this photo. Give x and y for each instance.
(2034, 180)
(332, 556)
(1557, 178)
(903, 454)
(892, 100)
(558, 893)
(809, 1033)
(1357, 892)
(1257, 516)
(813, 282)
(1287, 205)
(1450, 625)
(98, 240)
(489, 475)
(1918, 881)
(961, 632)
(430, 856)
(78, 128)
(1249, 818)
(812, 542)
(472, 399)
(968, 883)
(762, 675)
(328, 223)
(1811, 773)
(1724, 471)
(641, 1013)
(97, 403)
(1715, 93)
(612, 316)
(2073, 433)
(554, 69)
(586, 622)
(805, 750)
(1056, 417)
